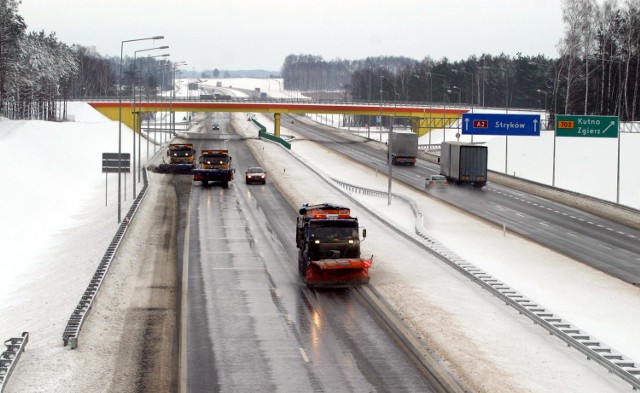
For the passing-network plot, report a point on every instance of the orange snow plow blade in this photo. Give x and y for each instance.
(337, 273)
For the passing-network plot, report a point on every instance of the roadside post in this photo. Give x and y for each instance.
(501, 124)
(115, 163)
(579, 126)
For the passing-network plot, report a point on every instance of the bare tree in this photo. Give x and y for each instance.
(569, 47)
(590, 15)
(12, 28)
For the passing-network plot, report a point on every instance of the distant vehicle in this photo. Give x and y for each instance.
(255, 174)
(404, 148)
(462, 162)
(434, 181)
(215, 126)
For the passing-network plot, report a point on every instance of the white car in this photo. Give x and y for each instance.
(438, 181)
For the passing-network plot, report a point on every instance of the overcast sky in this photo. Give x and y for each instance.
(258, 34)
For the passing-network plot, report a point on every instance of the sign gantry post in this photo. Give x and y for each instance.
(501, 124)
(583, 126)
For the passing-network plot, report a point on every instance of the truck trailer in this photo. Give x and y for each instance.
(328, 240)
(404, 148)
(215, 166)
(462, 162)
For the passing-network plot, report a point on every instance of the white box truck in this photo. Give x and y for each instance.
(462, 162)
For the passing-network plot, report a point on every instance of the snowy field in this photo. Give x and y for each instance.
(55, 229)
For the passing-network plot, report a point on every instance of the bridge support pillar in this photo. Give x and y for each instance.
(276, 124)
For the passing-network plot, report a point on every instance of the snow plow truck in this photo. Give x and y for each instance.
(327, 237)
(215, 166)
(181, 159)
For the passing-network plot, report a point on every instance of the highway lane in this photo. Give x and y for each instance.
(598, 242)
(250, 324)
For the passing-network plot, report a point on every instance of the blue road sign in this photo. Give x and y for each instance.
(500, 124)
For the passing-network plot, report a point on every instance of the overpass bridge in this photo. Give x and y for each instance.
(424, 118)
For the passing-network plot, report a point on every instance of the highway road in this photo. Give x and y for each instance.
(248, 323)
(598, 242)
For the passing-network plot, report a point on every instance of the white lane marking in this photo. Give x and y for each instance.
(572, 234)
(183, 304)
(543, 223)
(304, 355)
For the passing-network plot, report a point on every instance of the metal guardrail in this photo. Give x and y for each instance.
(9, 358)
(588, 345)
(262, 133)
(78, 316)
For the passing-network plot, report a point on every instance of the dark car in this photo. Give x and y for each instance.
(256, 174)
(215, 126)
(436, 181)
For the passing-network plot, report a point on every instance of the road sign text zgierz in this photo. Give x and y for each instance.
(587, 126)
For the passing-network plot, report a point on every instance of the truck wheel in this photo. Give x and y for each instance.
(205, 183)
(225, 184)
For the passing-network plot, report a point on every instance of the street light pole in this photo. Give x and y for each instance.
(506, 137)
(380, 124)
(506, 90)
(390, 150)
(468, 73)
(459, 93)
(159, 37)
(136, 116)
(444, 84)
(140, 118)
(172, 116)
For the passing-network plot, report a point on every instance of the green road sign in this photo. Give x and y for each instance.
(587, 126)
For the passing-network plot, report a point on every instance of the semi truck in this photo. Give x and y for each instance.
(462, 162)
(404, 148)
(328, 240)
(215, 166)
(181, 159)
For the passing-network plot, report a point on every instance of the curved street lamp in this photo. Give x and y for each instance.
(158, 37)
(139, 131)
(137, 118)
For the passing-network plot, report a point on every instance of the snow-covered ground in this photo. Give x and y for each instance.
(55, 229)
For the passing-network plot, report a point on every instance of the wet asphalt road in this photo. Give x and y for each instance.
(250, 324)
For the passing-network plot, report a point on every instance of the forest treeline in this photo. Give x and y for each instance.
(38, 73)
(597, 71)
